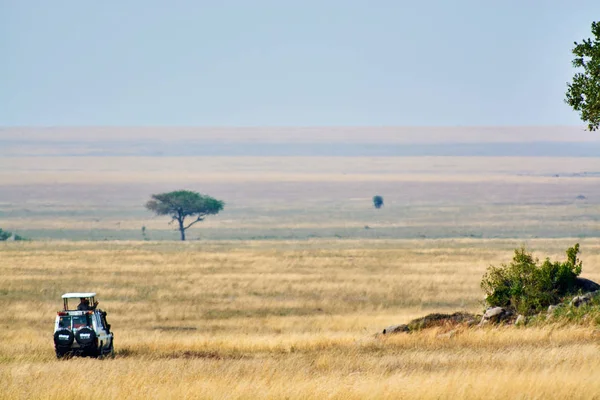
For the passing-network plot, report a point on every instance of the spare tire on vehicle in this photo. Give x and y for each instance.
(86, 337)
(63, 338)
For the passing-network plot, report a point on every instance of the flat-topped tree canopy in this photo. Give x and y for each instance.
(181, 204)
(78, 295)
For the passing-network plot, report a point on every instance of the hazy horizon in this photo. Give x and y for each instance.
(385, 134)
(308, 141)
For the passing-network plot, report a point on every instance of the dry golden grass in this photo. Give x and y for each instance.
(283, 320)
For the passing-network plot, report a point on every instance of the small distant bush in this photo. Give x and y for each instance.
(5, 235)
(528, 287)
(377, 201)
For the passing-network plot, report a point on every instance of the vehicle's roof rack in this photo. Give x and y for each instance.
(77, 295)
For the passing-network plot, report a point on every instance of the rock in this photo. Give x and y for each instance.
(583, 299)
(395, 329)
(441, 320)
(553, 307)
(494, 314)
(521, 320)
(445, 321)
(586, 285)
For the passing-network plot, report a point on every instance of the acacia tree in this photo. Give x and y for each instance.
(584, 93)
(181, 204)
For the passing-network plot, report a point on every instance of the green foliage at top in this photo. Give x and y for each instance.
(377, 201)
(528, 287)
(184, 203)
(181, 204)
(583, 93)
(5, 235)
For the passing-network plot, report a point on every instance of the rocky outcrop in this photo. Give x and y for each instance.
(586, 285)
(583, 299)
(395, 329)
(495, 315)
(438, 319)
(434, 320)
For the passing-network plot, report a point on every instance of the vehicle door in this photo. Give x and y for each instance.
(101, 330)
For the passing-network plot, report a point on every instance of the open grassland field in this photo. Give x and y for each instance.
(103, 197)
(284, 319)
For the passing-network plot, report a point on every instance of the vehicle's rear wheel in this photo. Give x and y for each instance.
(62, 353)
(63, 338)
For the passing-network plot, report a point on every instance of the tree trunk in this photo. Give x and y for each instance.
(181, 229)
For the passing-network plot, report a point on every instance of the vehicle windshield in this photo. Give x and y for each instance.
(79, 321)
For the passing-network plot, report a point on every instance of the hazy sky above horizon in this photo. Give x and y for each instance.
(289, 63)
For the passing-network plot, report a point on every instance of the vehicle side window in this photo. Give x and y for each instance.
(99, 322)
(104, 322)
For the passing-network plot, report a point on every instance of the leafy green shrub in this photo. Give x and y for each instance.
(527, 287)
(4, 235)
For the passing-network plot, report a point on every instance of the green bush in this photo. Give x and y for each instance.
(4, 235)
(377, 201)
(527, 287)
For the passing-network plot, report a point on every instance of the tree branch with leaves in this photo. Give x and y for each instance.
(583, 93)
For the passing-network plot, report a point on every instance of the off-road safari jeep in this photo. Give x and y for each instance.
(83, 332)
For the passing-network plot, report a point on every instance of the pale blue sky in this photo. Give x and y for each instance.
(289, 63)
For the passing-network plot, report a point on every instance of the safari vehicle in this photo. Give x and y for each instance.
(81, 329)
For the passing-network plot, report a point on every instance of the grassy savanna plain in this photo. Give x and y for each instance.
(283, 293)
(284, 319)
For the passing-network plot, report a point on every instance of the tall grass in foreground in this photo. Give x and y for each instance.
(283, 320)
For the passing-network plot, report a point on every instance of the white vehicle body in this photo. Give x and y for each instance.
(82, 331)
